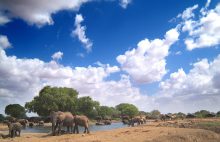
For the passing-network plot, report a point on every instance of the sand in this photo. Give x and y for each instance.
(143, 133)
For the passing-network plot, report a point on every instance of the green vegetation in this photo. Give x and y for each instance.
(15, 110)
(86, 106)
(209, 124)
(53, 99)
(127, 109)
(155, 114)
(66, 99)
(2, 117)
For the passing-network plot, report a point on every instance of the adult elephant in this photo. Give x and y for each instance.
(81, 120)
(60, 119)
(136, 119)
(23, 122)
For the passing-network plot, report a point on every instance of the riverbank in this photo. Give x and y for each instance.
(144, 133)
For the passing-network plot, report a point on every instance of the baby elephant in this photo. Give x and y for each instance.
(14, 128)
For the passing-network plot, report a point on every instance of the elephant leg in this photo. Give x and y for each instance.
(13, 133)
(54, 130)
(68, 129)
(59, 129)
(71, 129)
(85, 129)
(77, 129)
(74, 129)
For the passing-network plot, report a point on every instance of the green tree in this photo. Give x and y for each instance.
(127, 109)
(202, 113)
(88, 107)
(155, 114)
(105, 111)
(53, 99)
(218, 114)
(2, 117)
(15, 110)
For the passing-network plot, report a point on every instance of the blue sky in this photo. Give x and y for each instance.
(38, 31)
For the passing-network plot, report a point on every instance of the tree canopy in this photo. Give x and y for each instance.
(127, 109)
(202, 113)
(15, 110)
(86, 106)
(2, 117)
(155, 114)
(53, 99)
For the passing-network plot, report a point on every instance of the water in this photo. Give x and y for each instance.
(92, 128)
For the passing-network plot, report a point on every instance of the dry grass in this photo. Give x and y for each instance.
(143, 133)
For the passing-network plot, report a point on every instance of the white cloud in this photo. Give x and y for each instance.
(125, 3)
(80, 32)
(204, 32)
(21, 80)
(147, 62)
(36, 11)
(188, 13)
(57, 56)
(178, 53)
(3, 19)
(199, 89)
(4, 43)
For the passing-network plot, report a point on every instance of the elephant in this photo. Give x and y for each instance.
(14, 128)
(23, 122)
(143, 120)
(60, 119)
(81, 120)
(98, 118)
(41, 123)
(31, 124)
(125, 119)
(107, 122)
(136, 119)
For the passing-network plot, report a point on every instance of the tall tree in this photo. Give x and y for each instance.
(87, 106)
(155, 114)
(53, 99)
(105, 111)
(15, 110)
(127, 109)
(2, 117)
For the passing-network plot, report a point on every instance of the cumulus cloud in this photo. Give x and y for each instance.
(80, 32)
(125, 3)
(188, 13)
(204, 32)
(3, 19)
(21, 80)
(36, 11)
(199, 89)
(4, 43)
(146, 63)
(57, 56)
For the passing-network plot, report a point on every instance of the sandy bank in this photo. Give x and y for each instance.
(144, 133)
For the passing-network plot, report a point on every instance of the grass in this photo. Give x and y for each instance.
(209, 124)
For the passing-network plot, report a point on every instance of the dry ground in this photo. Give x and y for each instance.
(145, 133)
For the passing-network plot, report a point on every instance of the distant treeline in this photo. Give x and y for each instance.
(66, 99)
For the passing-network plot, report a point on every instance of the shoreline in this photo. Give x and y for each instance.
(142, 133)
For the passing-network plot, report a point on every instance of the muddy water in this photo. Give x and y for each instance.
(47, 129)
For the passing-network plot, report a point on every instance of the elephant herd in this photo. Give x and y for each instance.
(131, 121)
(71, 122)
